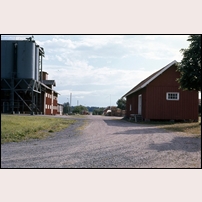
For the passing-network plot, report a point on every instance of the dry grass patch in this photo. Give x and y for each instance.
(188, 128)
(191, 129)
(82, 127)
(16, 128)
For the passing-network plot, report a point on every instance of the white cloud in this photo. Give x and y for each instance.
(91, 66)
(69, 48)
(88, 82)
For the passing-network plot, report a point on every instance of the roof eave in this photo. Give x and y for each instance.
(150, 80)
(127, 94)
(159, 73)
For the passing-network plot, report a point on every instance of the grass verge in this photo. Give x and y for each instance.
(82, 127)
(15, 128)
(191, 129)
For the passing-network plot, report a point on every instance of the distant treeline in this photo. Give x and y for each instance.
(78, 109)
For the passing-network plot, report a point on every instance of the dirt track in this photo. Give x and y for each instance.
(105, 142)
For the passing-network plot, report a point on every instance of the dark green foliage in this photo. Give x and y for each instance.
(79, 109)
(190, 65)
(66, 108)
(98, 111)
(121, 104)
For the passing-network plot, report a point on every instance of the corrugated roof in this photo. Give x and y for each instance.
(49, 82)
(149, 79)
(48, 88)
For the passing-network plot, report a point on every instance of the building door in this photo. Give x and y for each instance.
(140, 104)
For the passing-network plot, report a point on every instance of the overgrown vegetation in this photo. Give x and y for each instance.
(15, 128)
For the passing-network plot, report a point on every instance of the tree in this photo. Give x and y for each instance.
(66, 107)
(190, 65)
(79, 109)
(121, 103)
(98, 111)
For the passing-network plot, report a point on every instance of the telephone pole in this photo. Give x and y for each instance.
(70, 104)
(110, 101)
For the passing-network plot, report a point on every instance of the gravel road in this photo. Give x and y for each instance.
(105, 142)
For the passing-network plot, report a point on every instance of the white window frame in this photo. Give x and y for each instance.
(172, 96)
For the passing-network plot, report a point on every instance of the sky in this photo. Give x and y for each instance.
(99, 69)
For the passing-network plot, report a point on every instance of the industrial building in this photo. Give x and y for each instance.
(25, 87)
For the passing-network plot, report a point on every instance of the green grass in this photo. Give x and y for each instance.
(191, 129)
(16, 128)
(188, 128)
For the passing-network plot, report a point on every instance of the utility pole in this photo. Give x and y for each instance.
(70, 102)
(110, 101)
(67, 105)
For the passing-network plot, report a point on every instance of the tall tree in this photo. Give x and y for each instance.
(190, 65)
(66, 107)
(121, 103)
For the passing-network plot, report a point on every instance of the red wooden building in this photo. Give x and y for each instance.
(158, 97)
(50, 106)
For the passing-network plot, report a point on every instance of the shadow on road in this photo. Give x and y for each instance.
(188, 144)
(141, 131)
(123, 123)
(136, 128)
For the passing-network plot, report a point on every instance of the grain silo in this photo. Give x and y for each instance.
(21, 89)
(7, 59)
(26, 60)
(37, 62)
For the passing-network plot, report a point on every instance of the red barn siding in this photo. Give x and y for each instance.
(48, 111)
(154, 102)
(133, 101)
(167, 78)
(160, 108)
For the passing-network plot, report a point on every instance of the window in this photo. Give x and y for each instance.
(130, 107)
(172, 96)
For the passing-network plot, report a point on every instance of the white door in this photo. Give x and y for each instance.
(140, 104)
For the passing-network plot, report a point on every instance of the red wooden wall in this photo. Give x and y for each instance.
(155, 105)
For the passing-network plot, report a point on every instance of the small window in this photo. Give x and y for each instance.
(130, 107)
(172, 96)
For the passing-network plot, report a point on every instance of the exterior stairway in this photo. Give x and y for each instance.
(136, 117)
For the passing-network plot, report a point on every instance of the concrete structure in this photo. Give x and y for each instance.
(158, 97)
(23, 87)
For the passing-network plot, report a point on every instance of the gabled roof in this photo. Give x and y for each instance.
(149, 79)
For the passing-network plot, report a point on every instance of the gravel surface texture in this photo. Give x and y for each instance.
(105, 142)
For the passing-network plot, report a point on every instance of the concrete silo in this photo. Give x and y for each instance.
(21, 61)
(26, 60)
